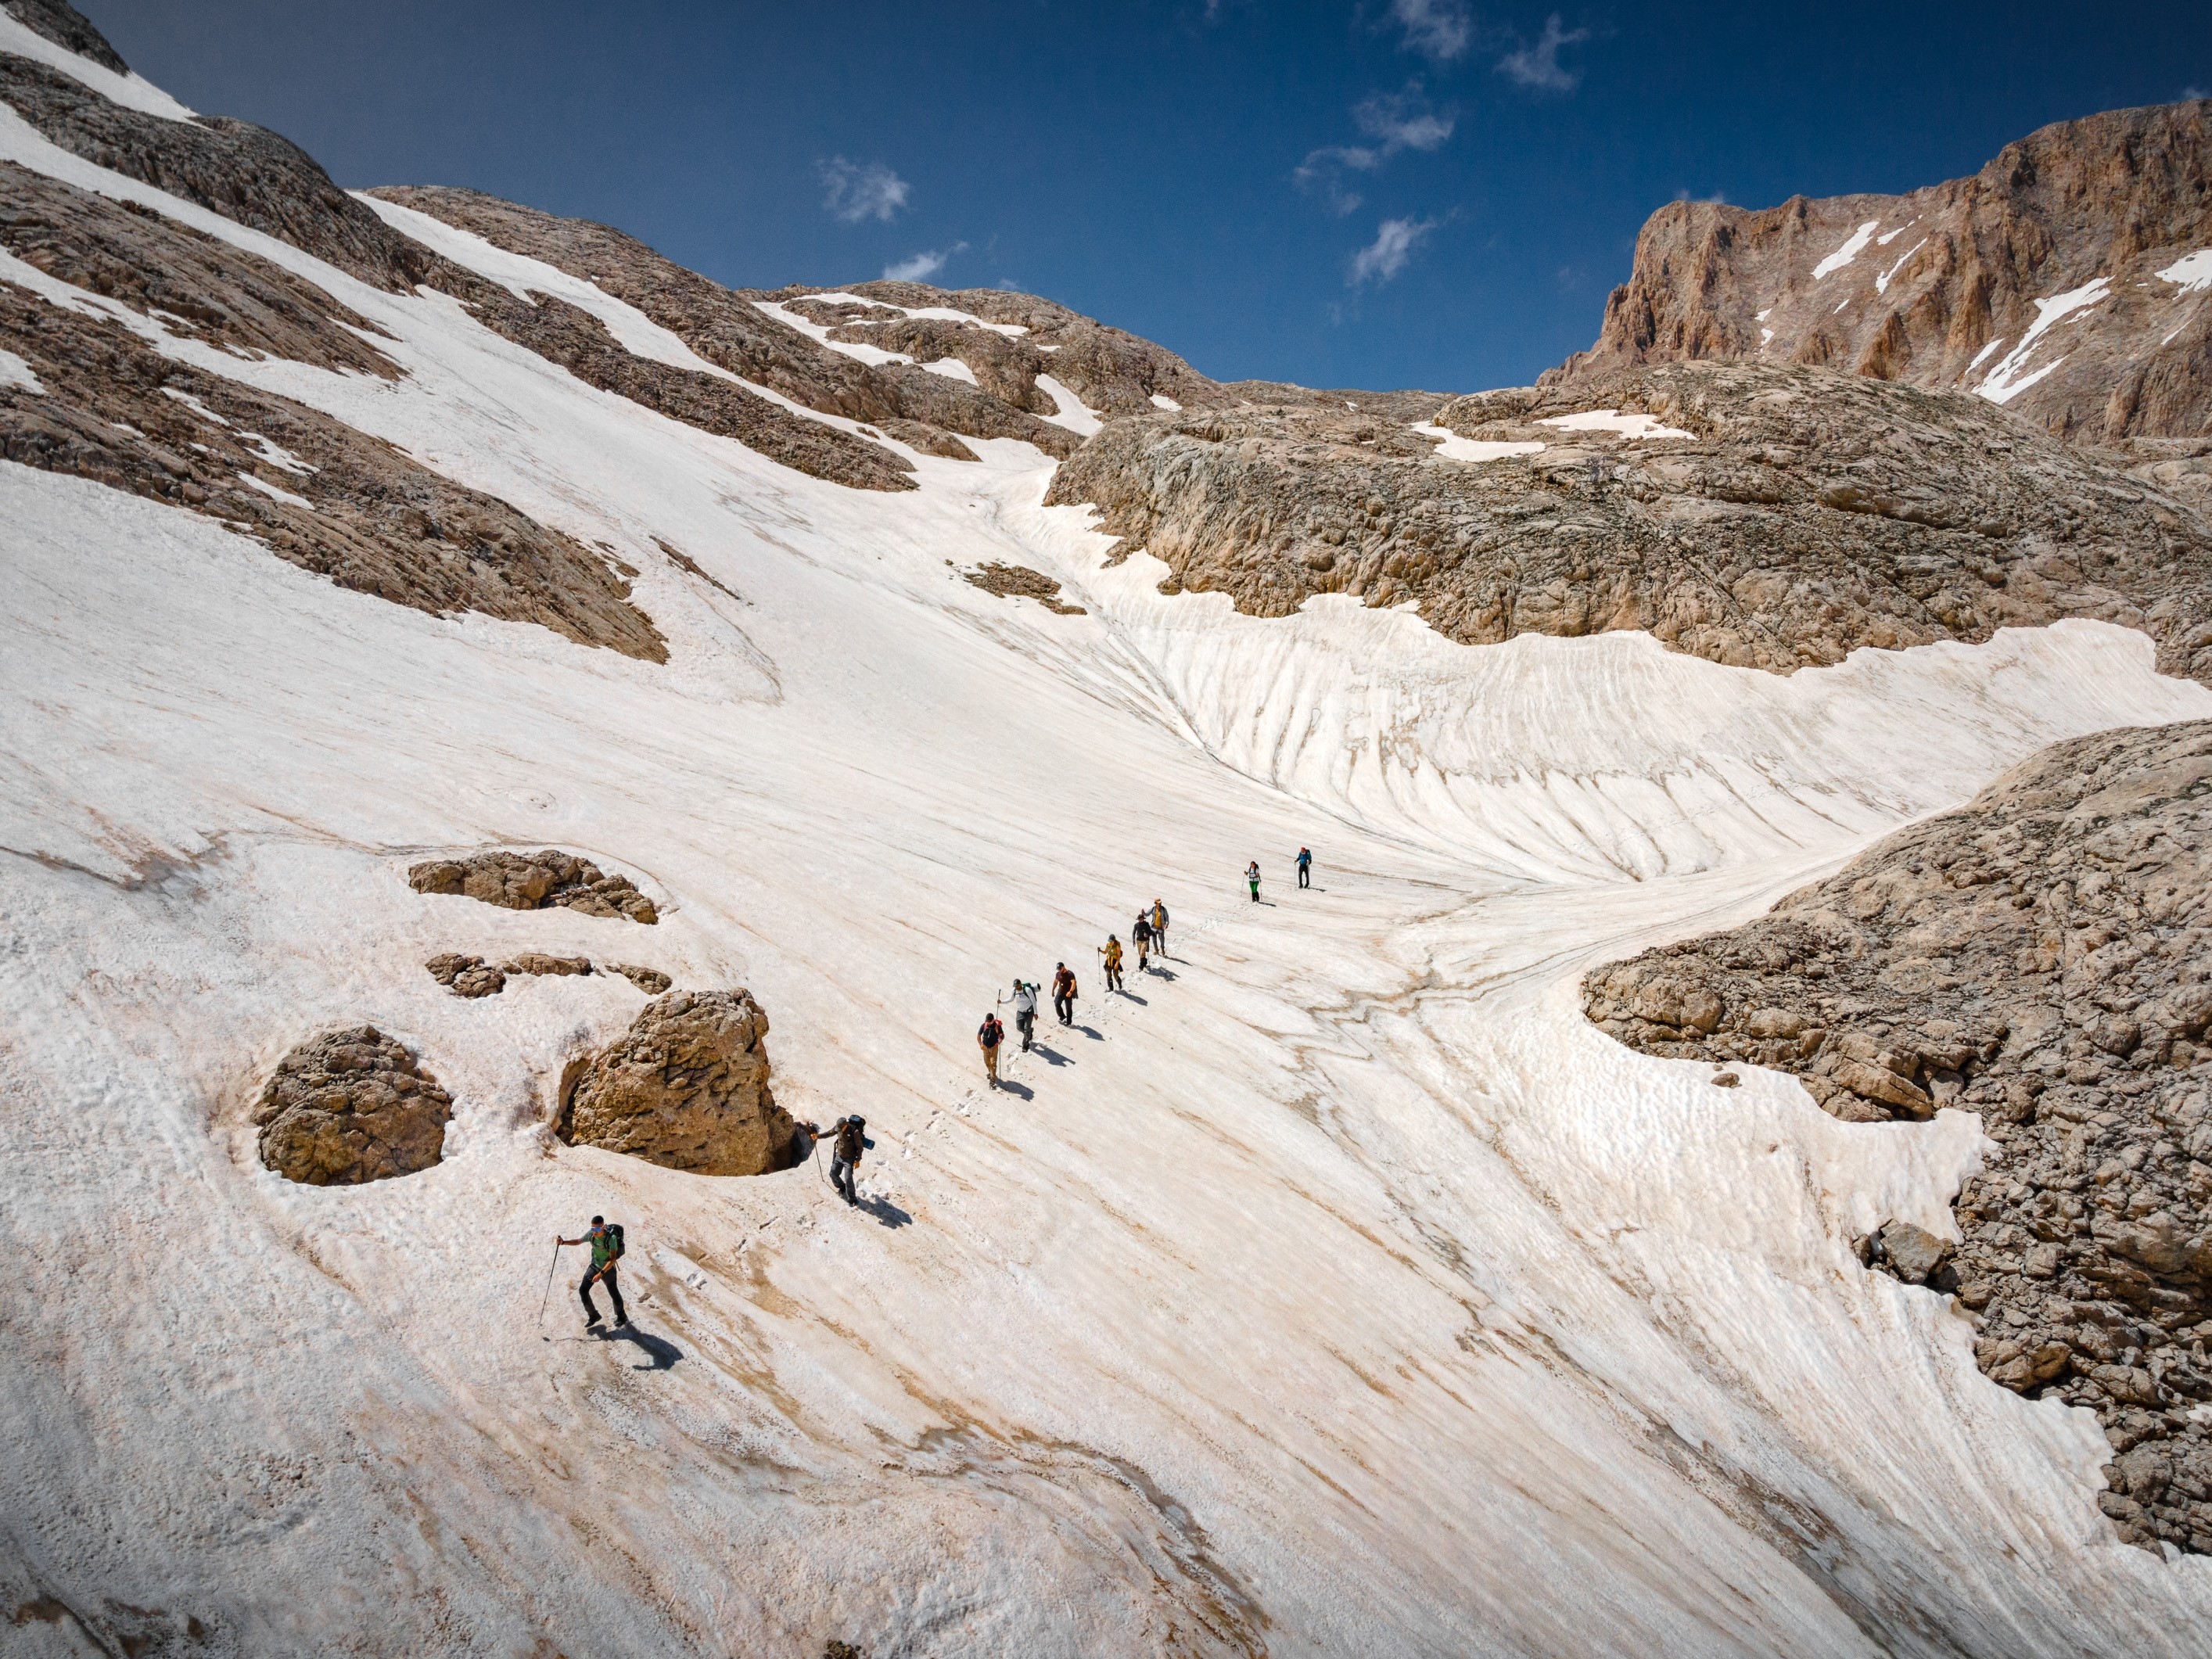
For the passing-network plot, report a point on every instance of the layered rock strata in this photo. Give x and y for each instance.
(685, 1087)
(2042, 958)
(352, 1106)
(1796, 514)
(533, 881)
(2071, 279)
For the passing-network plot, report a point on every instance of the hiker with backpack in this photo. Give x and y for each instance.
(988, 1038)
(1251, 875)
(848, 1138)
(606, 1243)
(1024, 1002)
(1063, 994)
(1141, 935)
(1305, 867)
(1113, 955)
(1159, 928)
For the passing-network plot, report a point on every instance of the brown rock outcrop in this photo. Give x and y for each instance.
(1939, 287)
(69, 29)
(466, 976)
(2040, 956)
(1807, 513)
(1019, 581)
(685, 1087)
(352, 1106)
(531, 881)
(651, 981)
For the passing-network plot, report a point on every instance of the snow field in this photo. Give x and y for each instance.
(1348, 1294)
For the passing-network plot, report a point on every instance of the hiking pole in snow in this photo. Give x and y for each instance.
(546, 1300)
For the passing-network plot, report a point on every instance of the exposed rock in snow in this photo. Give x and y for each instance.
(686, 1087)
(2124, 198)
(466, 976)
(1803, 514)
(1015, 580)
(530, 881)
(69, 29)
(2037, 957)
(651, 981)
(352, 1106)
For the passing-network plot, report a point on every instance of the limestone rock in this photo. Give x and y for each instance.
(537, 962)
(686, 1087)
(530, 881)
(1017, 580)
(466, 977)
(651, 981)
(350, 1106)
(1941, 287)
(2040, 957)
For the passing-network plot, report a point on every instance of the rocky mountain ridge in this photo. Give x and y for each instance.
(2070, 280)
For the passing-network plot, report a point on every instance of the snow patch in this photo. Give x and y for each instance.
(14, 371)
(132, 91)
(189, 401)
(1611, 420)
(1453, 447)
(1850, 251)
(1765, 335)
(271, 491)
(1073, 415)
(275, 454)
(2192, 272)
(818, 333)
(952, 369)
(1881, 282)
(1161, 400)
(2006, 381)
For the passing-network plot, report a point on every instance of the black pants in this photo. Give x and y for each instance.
(840, 1177)
(606, 1276)
(1113, 979)
(1065, 1008)
(1305, 877)
(1026, 1024)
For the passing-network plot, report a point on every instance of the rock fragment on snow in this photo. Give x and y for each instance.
(352, 1106)
(685, 1087)
(531, 881)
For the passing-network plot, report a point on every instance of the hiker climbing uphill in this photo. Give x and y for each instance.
(1112, 956)
(606, 1243)
(1063, 994)
(988, 1038)
(1305, 867)
(848, 1138)
(1252, 875)
(1024, 1002)
(1159, 928)
(1141, 935)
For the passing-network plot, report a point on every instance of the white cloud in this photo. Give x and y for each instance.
(1538, 66)
(852, 192)
(1397, 120)
(1438, 29)
(1386, 256)
(917, 266)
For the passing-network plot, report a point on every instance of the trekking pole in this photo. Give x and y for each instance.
(546, 1300)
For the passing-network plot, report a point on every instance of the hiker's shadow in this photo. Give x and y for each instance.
(1051, 1056)
(1159, 973)
(887, 1212)
(1018, 1091)
(661, 1354)
(1134, 998)
(1090, 1033)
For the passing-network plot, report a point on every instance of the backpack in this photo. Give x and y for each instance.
(613, 1231)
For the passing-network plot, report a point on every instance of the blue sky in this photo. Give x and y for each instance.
(1345, 192)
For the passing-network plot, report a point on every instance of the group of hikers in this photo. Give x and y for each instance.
(1149, 933)
(848, 1135)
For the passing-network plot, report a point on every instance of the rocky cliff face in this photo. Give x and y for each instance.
(1768, 517)
(2038, 957)
(2070, 279)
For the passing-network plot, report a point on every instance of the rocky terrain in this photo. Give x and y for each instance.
(1012, 581)
(685, 1087)
(352, 1106)
(2053, 281)
(2039, 958)
(534, 881)
(1796, 514)
(471, 976)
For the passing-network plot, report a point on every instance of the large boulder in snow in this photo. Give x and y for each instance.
(352, 1106)
(531, 881)
(685, 1087)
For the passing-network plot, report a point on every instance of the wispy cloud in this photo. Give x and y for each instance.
(852, 192)
(2190, 95)
(1386, 256)
(917, 267)
(1538, 66)
(1717, 198)
(1395, 121)
(1440, 30)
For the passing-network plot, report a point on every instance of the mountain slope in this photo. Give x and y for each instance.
(2070, 280)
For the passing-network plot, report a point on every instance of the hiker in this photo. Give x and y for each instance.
(1024, 1002)
(606, 1244)
(1141, 935)
(1063, 994)
(1159, 928)
(988, 1038)
(1251, 875)
(848, 1136)
(1113, 963)
(1305, 867)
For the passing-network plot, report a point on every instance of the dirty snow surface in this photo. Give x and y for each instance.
(1336, 1291)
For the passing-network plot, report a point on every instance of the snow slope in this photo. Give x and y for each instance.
(1338, 1292)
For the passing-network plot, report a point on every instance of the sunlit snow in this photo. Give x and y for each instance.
(1611, 420)
(1850, 251)
(1453, 447)
(2006, 381)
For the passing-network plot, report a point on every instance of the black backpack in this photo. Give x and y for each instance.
(614, 1240)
